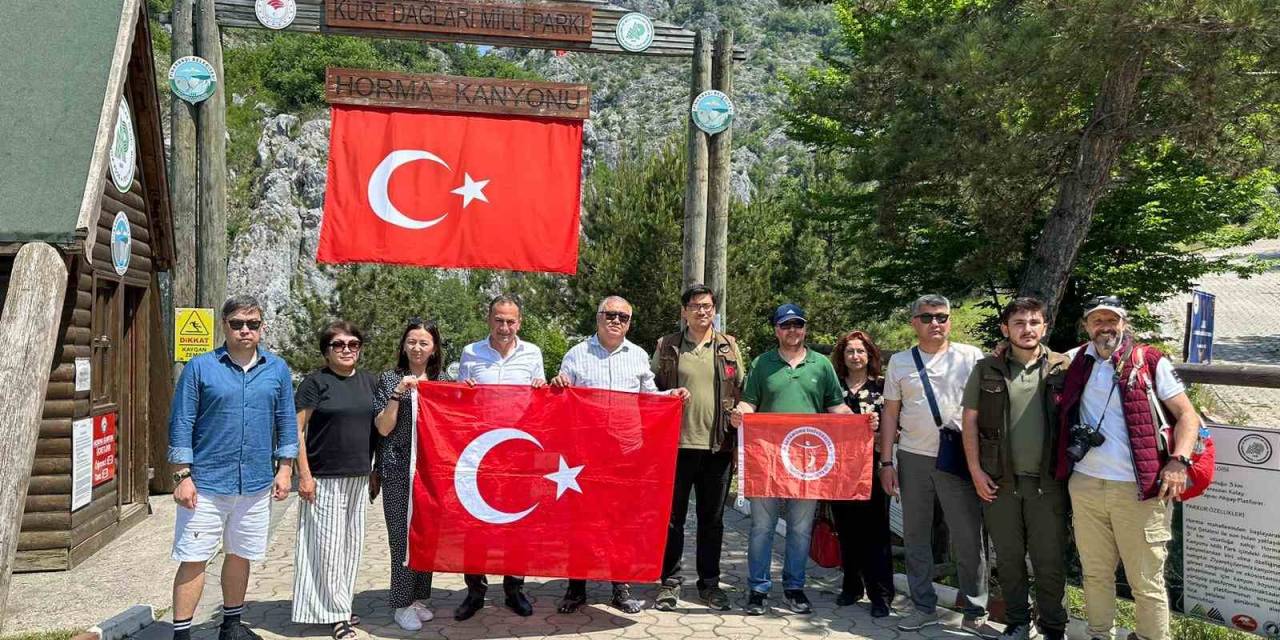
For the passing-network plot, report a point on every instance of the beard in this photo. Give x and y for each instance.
(1107, 340)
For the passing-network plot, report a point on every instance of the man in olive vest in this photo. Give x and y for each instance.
(707, 363)
(1010, 435)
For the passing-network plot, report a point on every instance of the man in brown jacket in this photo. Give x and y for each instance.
(707, 363)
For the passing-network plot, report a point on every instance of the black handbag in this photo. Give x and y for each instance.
(951, 456)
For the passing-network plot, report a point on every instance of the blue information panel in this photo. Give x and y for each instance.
(1200, 328)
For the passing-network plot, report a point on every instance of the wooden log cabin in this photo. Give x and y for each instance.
(83, 157)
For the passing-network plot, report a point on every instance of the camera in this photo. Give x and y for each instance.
(1082, 439)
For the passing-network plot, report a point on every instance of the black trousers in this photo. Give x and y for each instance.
(706, 475)
(478, 584)
(863, 529)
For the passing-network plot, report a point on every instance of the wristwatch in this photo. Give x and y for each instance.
(179, 476)
(886, 464)
(1186, 462)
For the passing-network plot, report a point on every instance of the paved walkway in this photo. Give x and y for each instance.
(1247, 331)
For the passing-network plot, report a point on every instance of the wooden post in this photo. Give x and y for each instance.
(720, 156)
(37, 285)
(695, 194)
(211, 141)
(182, 179)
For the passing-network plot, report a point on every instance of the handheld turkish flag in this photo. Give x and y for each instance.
(452, 190)
(560, 483)
(821, 455)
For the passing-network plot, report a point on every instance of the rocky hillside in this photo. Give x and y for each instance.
(637, 104)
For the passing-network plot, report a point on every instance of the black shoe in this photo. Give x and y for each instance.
(572, 601)
(239, 631)
(846, 598)
(1049, 634)
(880, 609)
(797, 601)
(624, 602)
(518, 603)
(470, 605)
(756, 604)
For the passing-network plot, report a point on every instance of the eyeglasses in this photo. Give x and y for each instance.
(1110, 301)
(620, 316)
(237, 324)
(349, 345)
(705, 307)
(929, 318)
(791, 324)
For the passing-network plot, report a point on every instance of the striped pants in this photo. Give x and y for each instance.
(327, 556)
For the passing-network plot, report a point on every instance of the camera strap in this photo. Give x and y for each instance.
(1115, 382)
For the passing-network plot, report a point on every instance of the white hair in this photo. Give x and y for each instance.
(930, 300)
(609, 299)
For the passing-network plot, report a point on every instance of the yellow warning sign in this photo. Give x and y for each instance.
(192, 333)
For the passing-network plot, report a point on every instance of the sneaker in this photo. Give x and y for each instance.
(1018, 632)
(756, 604)
(880, 609)
(715, 598)
(797, 602)
(919, 620)
(979, 626)
(424, 612)
(668, 595)
(237, 632)
(623, 601)
(408, 619)
(1053, 634)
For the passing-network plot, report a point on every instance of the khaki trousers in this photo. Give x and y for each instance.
(1112, 524)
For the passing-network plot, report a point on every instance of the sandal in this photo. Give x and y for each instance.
(343, 631)
(355, 620)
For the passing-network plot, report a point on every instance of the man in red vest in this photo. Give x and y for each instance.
(1123, 478)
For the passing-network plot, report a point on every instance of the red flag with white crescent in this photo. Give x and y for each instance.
(559, 483)
(452, 190)
(822, 455)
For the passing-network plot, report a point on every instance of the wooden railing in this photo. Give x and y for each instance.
(1236, 375)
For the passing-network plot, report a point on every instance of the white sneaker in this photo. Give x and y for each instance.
(424, 612)
(407, 618)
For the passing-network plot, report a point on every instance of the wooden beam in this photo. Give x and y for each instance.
(695, 193)
(535, 22)
(211, 141)
(37, 285)
(182, 175)
(500, 96)
(720, 161)
(1236, 375)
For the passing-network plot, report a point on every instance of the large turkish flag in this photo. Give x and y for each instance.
(452, 190)
(560, 483)
(822, 455)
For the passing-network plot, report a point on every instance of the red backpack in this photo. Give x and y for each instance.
(1200, 473)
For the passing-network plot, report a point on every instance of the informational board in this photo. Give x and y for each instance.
(192, 333)
(1231, 535)
(104, 448)
(81, 462)
(497, 96)
(1199, 336)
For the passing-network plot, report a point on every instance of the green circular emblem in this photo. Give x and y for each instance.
(191, 78)
(712, 111)
(124, 149)
(635, 32)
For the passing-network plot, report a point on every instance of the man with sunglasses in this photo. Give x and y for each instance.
(789, 379)
(501, 358)
(1122, 487)
(922, 397)
(608, 360)
(232, 414)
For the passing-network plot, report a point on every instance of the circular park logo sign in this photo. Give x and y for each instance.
(635, 32)
(192, 79)
(712, 111)
(276, 14)
(124, 149)
(1254, 448)
(121, 243)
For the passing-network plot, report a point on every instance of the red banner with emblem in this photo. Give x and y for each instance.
(826, 456)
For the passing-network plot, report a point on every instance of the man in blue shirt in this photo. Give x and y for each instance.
(232, 414)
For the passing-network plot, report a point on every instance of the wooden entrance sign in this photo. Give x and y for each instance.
(497, 96)
(533, 21)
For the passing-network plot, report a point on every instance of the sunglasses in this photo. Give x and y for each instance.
(237, 325)
(349, 345)
(791, 324)
(1110, 301)
(620, 316)
(929, 318)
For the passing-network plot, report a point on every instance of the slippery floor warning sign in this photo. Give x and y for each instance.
(192, 333)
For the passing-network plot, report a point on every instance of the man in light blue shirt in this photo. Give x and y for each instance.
(232, 414)
(501, 358)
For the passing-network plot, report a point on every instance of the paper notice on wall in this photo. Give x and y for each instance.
(1231, 535)
(82, 374)
(81, 462)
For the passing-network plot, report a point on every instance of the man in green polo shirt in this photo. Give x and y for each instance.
(789, 379)
(1010, 431)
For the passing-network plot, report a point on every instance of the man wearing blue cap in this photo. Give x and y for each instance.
(789, 379)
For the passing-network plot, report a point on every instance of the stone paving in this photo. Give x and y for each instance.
(1247, 331)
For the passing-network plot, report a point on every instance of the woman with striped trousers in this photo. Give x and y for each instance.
(335, 437)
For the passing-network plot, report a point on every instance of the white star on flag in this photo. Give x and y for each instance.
(566, 478)
(471, 190)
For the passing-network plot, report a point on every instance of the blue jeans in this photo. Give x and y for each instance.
(764, 520)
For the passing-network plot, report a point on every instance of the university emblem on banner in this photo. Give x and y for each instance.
(124, 149)
(712, 111)
(192, 79)
(808, 453)
(276, 14)
(121, 243)
(634, 32)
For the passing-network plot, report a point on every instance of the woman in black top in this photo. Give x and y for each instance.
(419, 360)
(335, 433)
(863, 525)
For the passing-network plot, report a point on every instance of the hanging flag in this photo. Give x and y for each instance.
(822, 455)
(452, 190)
(558, 483)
